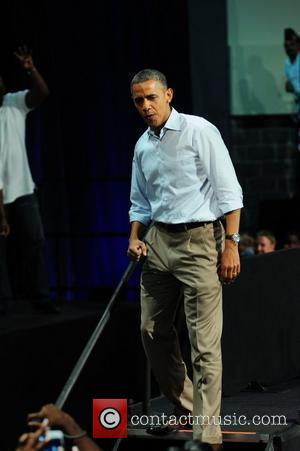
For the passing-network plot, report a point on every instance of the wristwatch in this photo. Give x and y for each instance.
(235, 238)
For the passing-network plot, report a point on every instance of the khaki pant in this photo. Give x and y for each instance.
(185, 261)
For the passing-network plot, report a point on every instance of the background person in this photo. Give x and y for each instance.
(292, 64)
(265, 242)
(292, 72)
(291, 241)
(29, 441)
(19, 210)
(246, 245)
(57, 418)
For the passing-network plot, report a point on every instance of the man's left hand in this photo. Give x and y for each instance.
(230, 264)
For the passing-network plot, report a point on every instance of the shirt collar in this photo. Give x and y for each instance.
(173, 123)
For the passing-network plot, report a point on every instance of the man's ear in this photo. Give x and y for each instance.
(169, 94)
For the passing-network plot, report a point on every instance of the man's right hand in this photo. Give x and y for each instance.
(136, 249)
(4, 227)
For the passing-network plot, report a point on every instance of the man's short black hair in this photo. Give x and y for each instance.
(150, 74)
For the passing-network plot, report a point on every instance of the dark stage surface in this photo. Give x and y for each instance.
(38, 352)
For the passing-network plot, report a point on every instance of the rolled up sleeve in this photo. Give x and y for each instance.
(140, 209)
(220, 171)
(1, 171)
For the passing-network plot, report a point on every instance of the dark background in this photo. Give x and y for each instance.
(81, 141)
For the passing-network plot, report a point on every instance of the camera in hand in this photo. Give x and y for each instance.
(55, 439)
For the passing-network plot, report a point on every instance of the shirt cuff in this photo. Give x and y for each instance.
(228, 207)
(144, 219)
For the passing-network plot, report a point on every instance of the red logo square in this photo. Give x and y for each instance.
(109, 418)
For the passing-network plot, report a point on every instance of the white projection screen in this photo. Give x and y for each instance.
(255, 39)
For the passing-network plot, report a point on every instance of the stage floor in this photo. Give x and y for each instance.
(277, 409)
(38, 351)
(23, 316)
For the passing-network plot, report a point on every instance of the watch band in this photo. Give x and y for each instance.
(234, 237)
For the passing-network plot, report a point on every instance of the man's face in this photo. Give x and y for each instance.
(2, 89)
(152, 100)
(264, 245)
(291, 47)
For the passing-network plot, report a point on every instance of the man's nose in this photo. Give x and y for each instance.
(146, 105)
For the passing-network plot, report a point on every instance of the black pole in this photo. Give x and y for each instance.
(92, 341)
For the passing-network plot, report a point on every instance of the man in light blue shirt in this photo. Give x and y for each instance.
(292, 62)
(183, 180)
(292, 71)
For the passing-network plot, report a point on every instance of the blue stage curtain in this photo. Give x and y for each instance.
(81, 141)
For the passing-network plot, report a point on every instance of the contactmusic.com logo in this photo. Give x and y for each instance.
(109, 418)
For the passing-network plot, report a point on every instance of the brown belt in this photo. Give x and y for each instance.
(176, 228)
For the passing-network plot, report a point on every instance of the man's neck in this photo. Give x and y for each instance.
(157, 130)
(293, 56)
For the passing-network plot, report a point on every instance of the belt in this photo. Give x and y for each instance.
(176, 228)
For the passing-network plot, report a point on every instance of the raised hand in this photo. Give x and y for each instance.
(25, 57)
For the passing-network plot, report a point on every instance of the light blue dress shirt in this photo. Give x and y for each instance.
(184, 175)
(292, 72)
